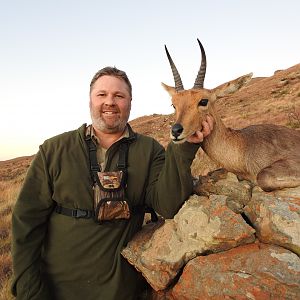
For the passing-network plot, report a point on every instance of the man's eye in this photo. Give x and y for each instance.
(203, 102)
(101, 95)
(119, 96)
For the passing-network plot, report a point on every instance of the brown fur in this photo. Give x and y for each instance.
(268, 155)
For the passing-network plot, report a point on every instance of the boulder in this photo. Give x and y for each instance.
(229, 241)
(276, 217)
(221, 182)
(203, 225)
(254, 271)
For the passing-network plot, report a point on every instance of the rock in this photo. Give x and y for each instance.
(213, 243)
(202, 225)
(255, 271)
(221, 182)
(276, 217)
(287, 194)
(135, 247)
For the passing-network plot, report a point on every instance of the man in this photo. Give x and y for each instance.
(63, 247)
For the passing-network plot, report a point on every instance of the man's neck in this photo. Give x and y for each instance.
(107, 139)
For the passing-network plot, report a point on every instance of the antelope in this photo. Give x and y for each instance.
(265, 154)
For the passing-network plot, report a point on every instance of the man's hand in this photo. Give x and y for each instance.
(207, 127)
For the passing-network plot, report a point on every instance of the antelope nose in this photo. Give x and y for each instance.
(177, 130)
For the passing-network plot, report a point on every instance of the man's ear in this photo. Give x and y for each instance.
(232, 86)
(171, 90)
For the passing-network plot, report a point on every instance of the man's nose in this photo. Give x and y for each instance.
(110, 100)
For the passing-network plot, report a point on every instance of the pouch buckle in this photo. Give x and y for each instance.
(80, 213)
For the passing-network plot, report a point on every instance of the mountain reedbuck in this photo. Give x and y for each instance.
(268, 155)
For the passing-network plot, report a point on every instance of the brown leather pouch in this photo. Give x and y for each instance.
(109, 210)
(109, 197)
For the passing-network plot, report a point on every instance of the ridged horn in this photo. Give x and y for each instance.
(177, 79)
(201, 73)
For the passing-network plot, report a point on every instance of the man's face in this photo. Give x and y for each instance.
(110, 104)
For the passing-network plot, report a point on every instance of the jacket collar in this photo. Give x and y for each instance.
(130, 138)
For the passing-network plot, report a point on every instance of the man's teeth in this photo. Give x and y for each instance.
(109, 112)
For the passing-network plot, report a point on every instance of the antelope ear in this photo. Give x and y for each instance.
(171, 90)
(232, 86)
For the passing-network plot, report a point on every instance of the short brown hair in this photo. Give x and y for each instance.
(112, 71)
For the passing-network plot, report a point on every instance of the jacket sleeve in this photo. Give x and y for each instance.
(29, 224)
(170, 180)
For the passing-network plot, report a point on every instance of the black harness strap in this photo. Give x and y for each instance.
(94, 166)
(75, 213)
(94, 169)
(123, 157)
(141, 209)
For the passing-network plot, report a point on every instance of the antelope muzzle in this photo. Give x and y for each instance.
(176, 131)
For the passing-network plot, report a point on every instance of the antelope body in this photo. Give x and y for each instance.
(267, 155)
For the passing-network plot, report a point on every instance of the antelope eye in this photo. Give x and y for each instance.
(203, 102)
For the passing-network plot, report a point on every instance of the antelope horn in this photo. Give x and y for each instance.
(201, 73)
(177, 79)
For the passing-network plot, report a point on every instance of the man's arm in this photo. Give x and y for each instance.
(29, 225)
(170, 179)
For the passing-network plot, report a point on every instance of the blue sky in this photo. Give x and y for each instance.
(51, 49)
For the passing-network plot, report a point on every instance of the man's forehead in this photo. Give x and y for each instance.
(109, 78)
(110, 82)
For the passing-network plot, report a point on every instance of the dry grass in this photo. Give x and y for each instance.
(5, 293)
(9, 190)
(294, 118)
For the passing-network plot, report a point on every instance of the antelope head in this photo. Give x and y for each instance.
(193, 105)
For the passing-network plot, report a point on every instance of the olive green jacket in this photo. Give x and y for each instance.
(65, 258)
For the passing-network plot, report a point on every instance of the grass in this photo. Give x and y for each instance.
(9, 190)
(294, 118)
(5, 293)
(280, 93)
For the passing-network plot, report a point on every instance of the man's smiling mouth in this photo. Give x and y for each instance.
(109, 112)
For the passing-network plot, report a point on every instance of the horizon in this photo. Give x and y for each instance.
(50, 52)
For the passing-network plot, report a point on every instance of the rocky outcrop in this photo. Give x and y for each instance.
(276, 217)
(220, 182)
(230, 241)
(202, 225)
(255, 271)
